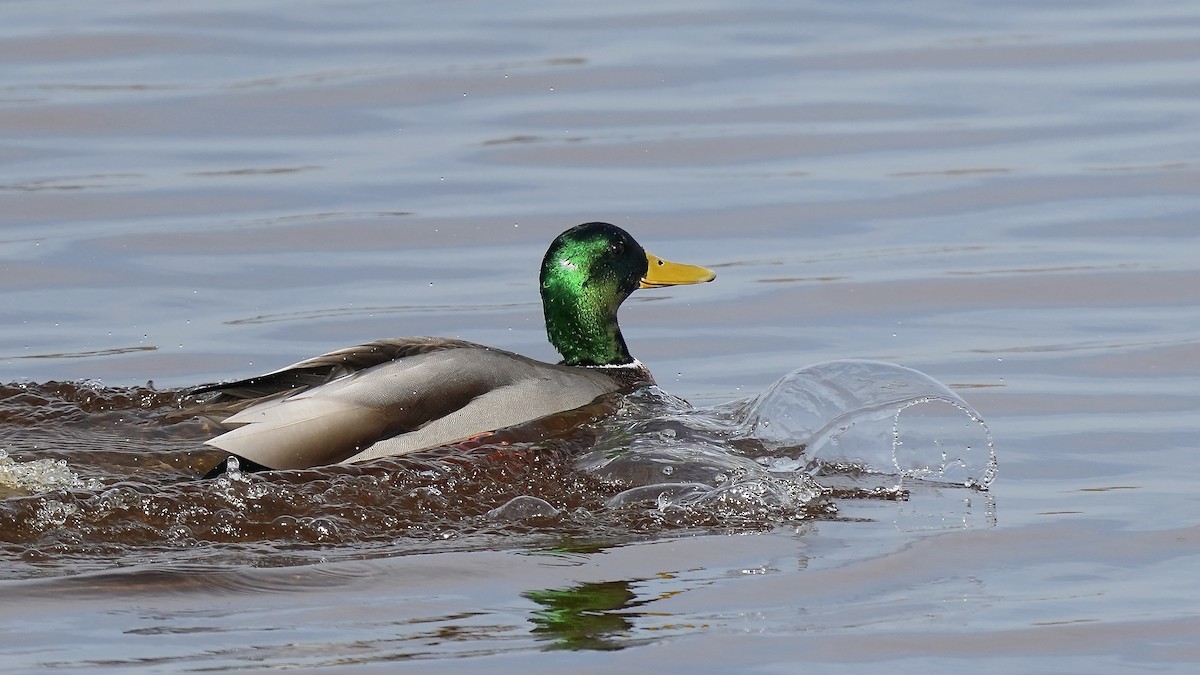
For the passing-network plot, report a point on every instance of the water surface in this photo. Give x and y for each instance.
(1003, 197)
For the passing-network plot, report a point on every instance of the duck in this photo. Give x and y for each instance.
(396, 396)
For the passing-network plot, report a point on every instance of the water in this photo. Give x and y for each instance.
(1000, 196)
(643, 464)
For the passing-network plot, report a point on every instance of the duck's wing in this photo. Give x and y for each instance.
(425, 397)
(522, 390)
(240, 394)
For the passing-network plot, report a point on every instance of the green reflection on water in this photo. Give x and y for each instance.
(585, 616)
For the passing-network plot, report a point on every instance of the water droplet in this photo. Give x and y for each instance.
(233, 468)
(524, 507)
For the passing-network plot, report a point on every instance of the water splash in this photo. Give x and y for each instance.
(865, 427)
(39, 475)
(525, 509)
(943, 440)
(621, 467)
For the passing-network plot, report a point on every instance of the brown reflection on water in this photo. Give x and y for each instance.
(1025, 52)
(659, 152)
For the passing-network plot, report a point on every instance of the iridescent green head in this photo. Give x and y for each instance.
(587, 273)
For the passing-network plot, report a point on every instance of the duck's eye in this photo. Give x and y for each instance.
(617, 248)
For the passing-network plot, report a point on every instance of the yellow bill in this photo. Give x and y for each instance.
(661, 273)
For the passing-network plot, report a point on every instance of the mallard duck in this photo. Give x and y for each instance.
(395, 396)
